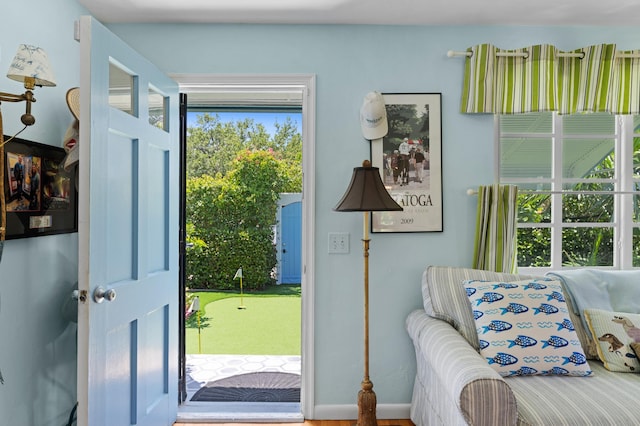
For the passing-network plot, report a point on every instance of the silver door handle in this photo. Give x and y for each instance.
(100, 294)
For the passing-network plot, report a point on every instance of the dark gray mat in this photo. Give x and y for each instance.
(252, 387)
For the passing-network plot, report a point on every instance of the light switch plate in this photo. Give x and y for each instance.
(338, 242)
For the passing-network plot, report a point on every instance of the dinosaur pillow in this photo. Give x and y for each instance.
(524, 328)
(615, 333)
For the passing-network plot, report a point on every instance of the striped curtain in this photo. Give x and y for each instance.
(496, 229)
(526, 83)
(625, 98)
(541, 78)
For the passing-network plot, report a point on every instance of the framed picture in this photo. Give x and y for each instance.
(410, 162)
(40, 196)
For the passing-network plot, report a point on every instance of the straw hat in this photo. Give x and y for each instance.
(73, 101)
(70, 141)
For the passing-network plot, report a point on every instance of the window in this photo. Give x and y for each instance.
(576, 177)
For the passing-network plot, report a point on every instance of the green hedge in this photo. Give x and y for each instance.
(229, 223)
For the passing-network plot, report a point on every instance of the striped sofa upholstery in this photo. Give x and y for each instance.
(454, 385)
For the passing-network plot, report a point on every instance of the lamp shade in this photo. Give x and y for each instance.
(366, 192)
(31, 62)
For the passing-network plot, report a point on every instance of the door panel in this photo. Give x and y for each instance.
(128, 236)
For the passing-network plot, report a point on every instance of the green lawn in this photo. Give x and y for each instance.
(270, 324)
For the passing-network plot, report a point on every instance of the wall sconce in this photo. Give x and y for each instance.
(31, 67)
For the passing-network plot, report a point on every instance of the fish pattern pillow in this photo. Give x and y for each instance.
(524, 328)
(615, 332)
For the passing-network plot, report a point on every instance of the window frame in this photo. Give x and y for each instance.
(623, 182)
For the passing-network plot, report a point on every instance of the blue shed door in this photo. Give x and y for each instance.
(291, 262)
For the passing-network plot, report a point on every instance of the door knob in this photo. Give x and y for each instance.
(100, 294)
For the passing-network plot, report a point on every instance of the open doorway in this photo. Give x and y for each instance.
(221, 96)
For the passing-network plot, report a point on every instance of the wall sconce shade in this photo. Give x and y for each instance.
(31, 62)
(366, 192)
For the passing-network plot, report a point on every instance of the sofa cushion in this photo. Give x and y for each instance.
(524, 328)
(444, 297)
(605, 398)
(615, 332)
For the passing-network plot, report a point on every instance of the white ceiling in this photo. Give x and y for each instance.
(395, 12)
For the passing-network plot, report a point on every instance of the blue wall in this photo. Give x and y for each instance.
(37, 344)
(37, 352)
(350, 61)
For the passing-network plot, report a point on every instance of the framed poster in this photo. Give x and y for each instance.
(410, 162)
(40, 196)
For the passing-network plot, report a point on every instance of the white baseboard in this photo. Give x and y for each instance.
(347, 412)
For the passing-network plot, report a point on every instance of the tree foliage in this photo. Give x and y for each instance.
(236, 173)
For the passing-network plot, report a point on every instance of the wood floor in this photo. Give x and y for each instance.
(402, 422)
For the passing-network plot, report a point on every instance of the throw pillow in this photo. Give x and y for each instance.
(524, 328)
(615, 332)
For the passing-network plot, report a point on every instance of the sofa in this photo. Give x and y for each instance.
(456, 384)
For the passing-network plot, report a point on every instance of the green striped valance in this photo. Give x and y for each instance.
(541, 78)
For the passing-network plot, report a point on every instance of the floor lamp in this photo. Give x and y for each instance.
(366, 193)
(31, 67)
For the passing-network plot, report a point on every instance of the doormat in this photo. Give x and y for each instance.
(268, 386)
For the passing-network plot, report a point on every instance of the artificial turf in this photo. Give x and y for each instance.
(269, 324)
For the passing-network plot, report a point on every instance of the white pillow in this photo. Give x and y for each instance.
(524, 328)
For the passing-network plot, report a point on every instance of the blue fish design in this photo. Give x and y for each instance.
(489, 297)
(576, 358)
(555, 295)
(514, 308)
(477, 314)
(496, 326)
(556, 371)
(470, 291)
(524, 371)
(484, 344)
(535, 286)
(555, 341)
(503, 359)
(566, 324)
(545, 309)
(505, 285)
(523, 341)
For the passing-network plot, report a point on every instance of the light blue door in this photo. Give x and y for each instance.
(291, 262)
(128, 236)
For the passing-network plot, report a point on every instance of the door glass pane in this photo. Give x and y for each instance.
(636, 247)
(158, 108)
(636, 157)
(538, 122)
(589, 124)
(588, 158)
(534, 247)
(121, 93)
(587, 247)
(525, 158)
(588, 207)
(636, 203)
(534, 208)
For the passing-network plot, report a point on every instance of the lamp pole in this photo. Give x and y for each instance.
(366, 396)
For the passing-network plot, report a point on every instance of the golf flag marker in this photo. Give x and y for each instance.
(235, 277)
(195, 307)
